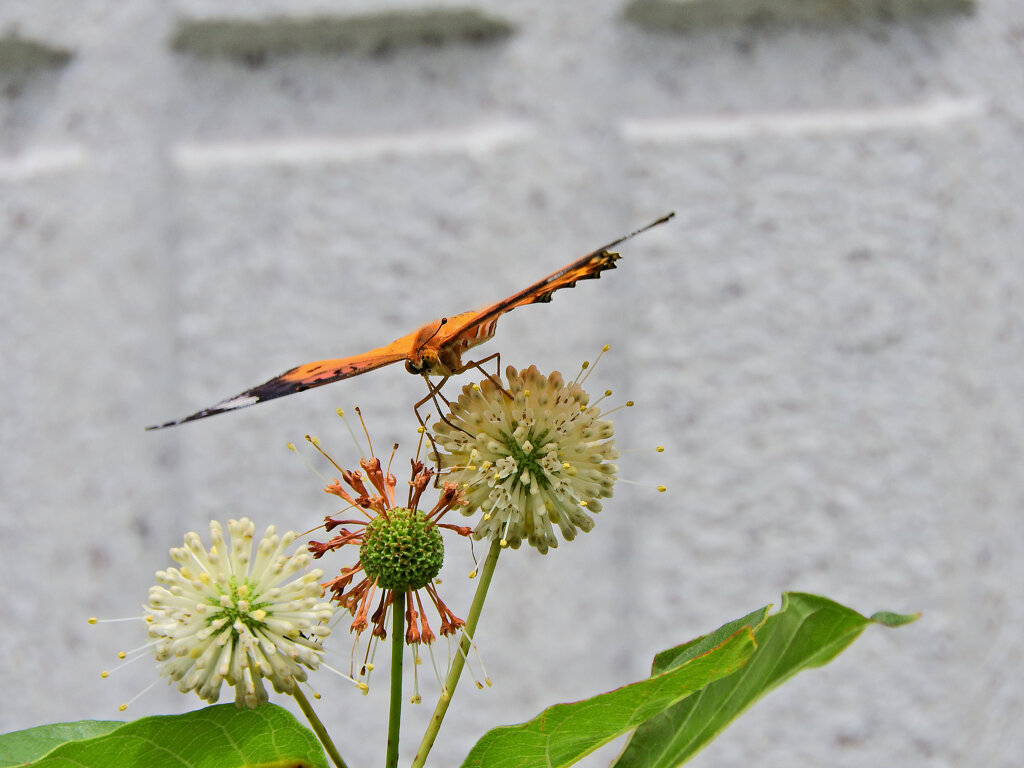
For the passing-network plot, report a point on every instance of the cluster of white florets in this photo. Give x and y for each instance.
(531, 457)
(223, 616)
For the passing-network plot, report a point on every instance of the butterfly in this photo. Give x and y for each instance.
(436, 349)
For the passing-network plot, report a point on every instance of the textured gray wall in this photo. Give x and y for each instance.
(827, 338)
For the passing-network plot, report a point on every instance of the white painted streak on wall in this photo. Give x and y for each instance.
(929, 115)
(35, 163)
(475, 140)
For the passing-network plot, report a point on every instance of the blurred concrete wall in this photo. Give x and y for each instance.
(195, 196)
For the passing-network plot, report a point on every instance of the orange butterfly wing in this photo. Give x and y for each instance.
(310, 375)
(471, 328)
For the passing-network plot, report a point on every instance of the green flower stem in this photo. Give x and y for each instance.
(318, 728)
(397, 652)
(486, 572)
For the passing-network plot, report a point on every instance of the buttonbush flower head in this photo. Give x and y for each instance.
(400, 549)
(224, 616)
(532, 457)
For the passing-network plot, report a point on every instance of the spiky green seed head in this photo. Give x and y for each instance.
(402, 551)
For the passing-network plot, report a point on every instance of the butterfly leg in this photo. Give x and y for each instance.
(495, 377)
(433, 391)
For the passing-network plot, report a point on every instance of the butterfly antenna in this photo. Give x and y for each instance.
(636, 232)
(437, 330)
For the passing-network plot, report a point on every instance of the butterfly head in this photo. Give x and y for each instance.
(417, 364)
(433, 361)
(434, 353)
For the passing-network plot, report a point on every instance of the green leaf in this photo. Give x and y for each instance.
(673, 657)
(809, 631)
(19, 747)
(894, 619)
(564, 733)
(215, 737)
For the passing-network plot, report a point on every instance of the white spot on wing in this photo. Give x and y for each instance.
(238, 402)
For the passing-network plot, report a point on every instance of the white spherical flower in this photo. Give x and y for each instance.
(530, 457)
(225, 616)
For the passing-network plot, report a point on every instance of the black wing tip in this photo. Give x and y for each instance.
(239, 401)
(277, 387)
(185, 420)
(606, 249)
(667, 217)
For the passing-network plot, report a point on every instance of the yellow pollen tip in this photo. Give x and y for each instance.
(92, 619)
(105, 674)
(526, 393)
(566, 465)
(340, 412)
(586, 364)
(476, 387)
(291, 447)
(503, 543)
(121, 655)
(472, 574)
(583, 502)
(479, 685)
(316, 695)
(363, 688)
(606, 347)
(607, 393)
(313, 440)
(420, 430)
(369, 667)
(629, 403)
(660, 449)
(582, 408)
(416, 699)
(662, 489)
(122, 708)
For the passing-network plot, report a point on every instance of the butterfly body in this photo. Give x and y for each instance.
(440, 354)
(435, 349)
